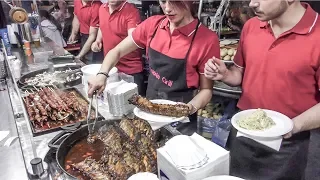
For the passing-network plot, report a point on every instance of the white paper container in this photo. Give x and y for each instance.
(218, 163)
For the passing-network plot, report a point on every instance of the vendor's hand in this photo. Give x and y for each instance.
(98, 83)
(77, 57)
(215, 69)
(72, 38)
(96, 46)
(296, 129)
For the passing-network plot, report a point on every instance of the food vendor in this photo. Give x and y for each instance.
(117, 20)
(177, 46)
(86, 19)
(276, 74)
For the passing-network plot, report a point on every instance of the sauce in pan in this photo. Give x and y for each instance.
(79, 152)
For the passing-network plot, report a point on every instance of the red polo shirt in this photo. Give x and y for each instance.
(281, 74)
(88, 15)
(175, 45)
(114, 28)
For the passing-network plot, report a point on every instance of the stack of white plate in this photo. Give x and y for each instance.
(185, 153)
(118, 94)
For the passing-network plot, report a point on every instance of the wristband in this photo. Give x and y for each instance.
(103, 73)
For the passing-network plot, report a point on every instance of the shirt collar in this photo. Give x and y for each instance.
(186, 30)
(119, 8)
(89, 3)
(305, 25)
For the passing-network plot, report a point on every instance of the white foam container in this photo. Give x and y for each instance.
(92, 70)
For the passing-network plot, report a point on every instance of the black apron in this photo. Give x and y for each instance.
(91, 57)
(167, 79)
(253, 161)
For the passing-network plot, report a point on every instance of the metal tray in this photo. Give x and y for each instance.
(22, 85)
(66, 126)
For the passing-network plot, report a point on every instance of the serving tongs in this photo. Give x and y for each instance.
(91, 130)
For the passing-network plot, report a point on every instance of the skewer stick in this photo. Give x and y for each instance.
(36, 88)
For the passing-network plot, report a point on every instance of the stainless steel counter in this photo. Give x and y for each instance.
(12, 163)
(17, 157)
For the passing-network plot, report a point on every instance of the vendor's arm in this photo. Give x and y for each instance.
(75, 29)
(308, 120)
(205, 85)
(216, 69)
(87, 46)
(111, 59)
(93, 31)
(97, 45)
(138, 39)
(204, 95)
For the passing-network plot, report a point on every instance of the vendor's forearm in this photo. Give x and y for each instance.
(233, 76)
(123, 48)
(308, 120)
(110, 60)
(87, 46)
(75, 25)
(99, 36)
(202, 98)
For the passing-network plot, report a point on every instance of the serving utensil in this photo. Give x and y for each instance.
(94, 96)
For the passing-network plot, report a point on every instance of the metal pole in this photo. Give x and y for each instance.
(200, 9)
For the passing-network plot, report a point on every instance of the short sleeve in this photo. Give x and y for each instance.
(133, 19)
(140, 34)
(94, 21)
(239, 60)
(213, 51)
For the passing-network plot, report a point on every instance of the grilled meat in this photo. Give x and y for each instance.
(112, 139)
(92, 169)
(47, 109)
(128, 149)
(173, 110)
(143, 127)
(128, 128)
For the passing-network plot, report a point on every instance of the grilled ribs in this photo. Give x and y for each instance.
(173, 110)
(129, 148)
(92, 169)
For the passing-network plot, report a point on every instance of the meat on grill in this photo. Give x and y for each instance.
(92, 169)
(49, 107)
(173, 110)
(127, 150)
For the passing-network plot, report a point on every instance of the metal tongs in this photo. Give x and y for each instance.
(94, 96)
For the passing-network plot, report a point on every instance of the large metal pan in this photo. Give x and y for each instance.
(68, 141)
(23, 85)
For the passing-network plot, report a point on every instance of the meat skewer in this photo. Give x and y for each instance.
(173, 110)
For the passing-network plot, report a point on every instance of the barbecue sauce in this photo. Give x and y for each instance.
(79, 152)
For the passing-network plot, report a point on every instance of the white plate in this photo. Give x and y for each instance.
(223, 178)
(283, 124)
(154, 117)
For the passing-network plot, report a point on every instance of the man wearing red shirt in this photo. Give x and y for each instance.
(86, 19)
(117, 20)
(278, 65)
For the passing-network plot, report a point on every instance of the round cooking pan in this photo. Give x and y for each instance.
(25, 86)
(70, 140)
